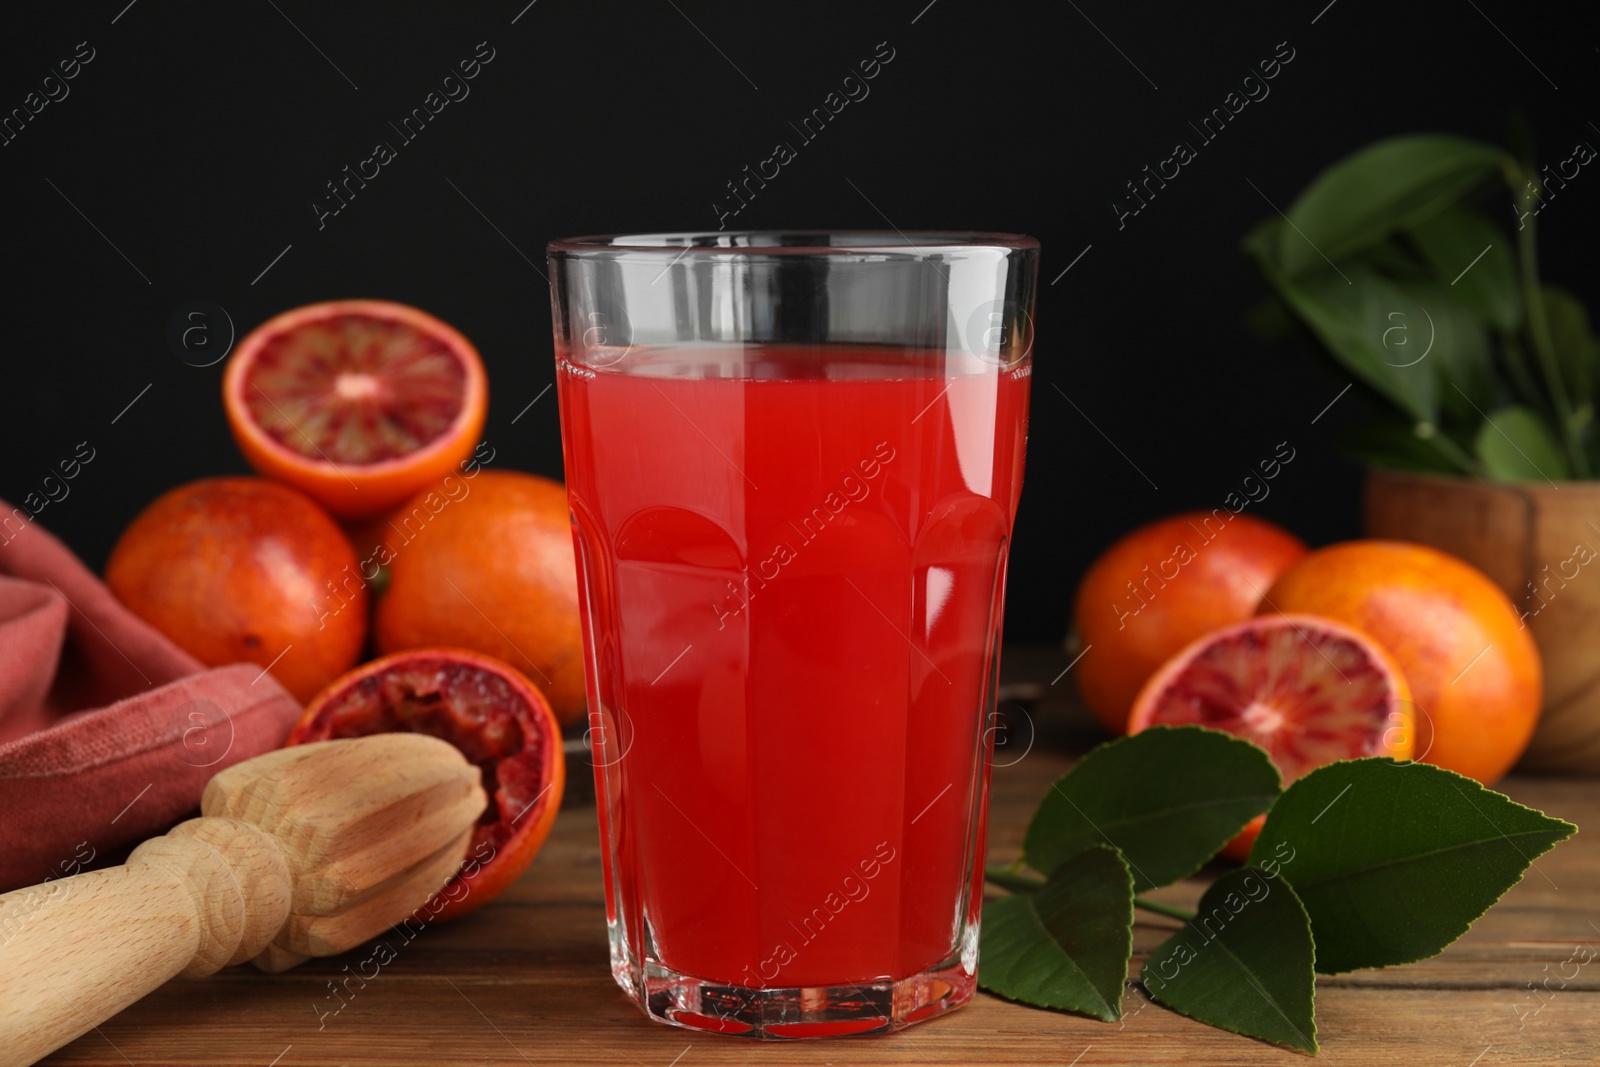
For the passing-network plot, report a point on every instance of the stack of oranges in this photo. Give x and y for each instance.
(379, 526)
(1362, 648)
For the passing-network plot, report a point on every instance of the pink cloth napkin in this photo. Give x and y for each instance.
(108, 731)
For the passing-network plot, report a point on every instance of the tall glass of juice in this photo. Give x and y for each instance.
(793, 462)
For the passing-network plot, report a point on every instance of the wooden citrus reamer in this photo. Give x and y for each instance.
(306, 851)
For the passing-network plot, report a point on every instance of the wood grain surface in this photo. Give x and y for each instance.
(525, 980)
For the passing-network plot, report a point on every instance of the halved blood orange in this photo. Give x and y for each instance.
(495, 716)
(1307, 689)
(358, 403)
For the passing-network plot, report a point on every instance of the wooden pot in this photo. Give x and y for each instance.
(1541, 544)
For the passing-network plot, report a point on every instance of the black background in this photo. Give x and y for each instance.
(199, 136)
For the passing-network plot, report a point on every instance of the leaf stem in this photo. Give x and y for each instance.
(1009, 878)
(1539, 331)
(1016, 881)
(1169, 910)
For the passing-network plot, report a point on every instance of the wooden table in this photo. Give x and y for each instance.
(526, 981)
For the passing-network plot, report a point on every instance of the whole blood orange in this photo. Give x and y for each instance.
(240, 570)
(495, 716)
(490, 568)
(1474, 671)
(359, 403)
(1160, 587)
(1307, 689)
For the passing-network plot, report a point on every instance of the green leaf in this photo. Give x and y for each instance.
(1393, 184)
(1375, 330)
(1516, 446)
(1168, 798)
(1574, 342)
(1394, 861)
(1472, 256)
(1246, 963)
(1067, 945)
(1392, 259)
(1457, 343)
(1389, 440)
(1261, 243)
(1518, 368)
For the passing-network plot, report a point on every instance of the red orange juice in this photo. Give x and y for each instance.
(792, 563)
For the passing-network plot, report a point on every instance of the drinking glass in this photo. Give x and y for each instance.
(793, 463)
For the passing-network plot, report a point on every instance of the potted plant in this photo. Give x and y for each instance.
(1482, 441)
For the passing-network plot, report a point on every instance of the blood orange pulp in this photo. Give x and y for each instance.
(358, 403)
(1471, 663)
(1307, 689)
(489, 711)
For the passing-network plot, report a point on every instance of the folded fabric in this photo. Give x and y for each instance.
(108, 731)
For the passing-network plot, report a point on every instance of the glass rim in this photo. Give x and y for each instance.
(752, 244)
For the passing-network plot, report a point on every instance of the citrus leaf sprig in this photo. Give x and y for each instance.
(1362, 863)
(1388, 261)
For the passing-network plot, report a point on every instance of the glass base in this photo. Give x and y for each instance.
(804, 1011)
